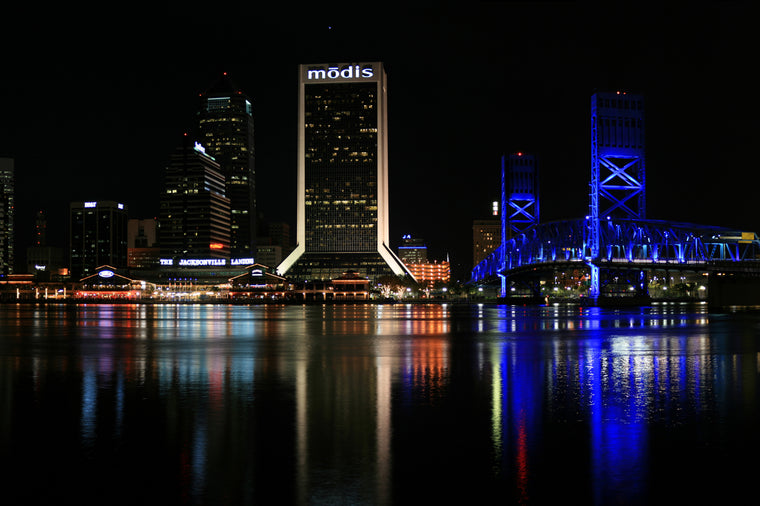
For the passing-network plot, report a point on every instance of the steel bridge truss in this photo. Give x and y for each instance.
(622, 242)
(524, 213)
(622, 186)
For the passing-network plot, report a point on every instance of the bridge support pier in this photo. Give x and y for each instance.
(594, 288)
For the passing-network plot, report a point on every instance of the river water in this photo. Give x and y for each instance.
(378, 404)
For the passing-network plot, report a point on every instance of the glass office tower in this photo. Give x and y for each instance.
(195, 212)
(342, 174)
(98, 236)
(225, 124)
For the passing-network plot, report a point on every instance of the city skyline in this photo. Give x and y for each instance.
(466, 87)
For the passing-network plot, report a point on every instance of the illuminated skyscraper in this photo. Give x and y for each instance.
(342, 174)
(7, 210)
(225, 125)
(195, 212)
(98, 236)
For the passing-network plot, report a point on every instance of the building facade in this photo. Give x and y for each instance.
(142, 243)
(412, 250)
(97, 236)
(431, 273)
(486, 237)
(195, 211)
(7, 211)
(342, 206)
(225, 125)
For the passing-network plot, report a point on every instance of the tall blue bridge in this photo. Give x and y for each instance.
(614, 251)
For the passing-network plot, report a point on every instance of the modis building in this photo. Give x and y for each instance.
(342, 213)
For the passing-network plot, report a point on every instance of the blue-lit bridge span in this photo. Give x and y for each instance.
(635, 246)
(615, 250)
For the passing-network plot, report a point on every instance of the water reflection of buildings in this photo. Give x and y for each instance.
(316, 390)
(611, 385)
(203, 365)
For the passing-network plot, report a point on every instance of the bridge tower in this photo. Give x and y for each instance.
(520, 193)
(618, 174)
(519, 197)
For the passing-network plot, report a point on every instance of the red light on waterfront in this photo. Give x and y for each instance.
(216, 245)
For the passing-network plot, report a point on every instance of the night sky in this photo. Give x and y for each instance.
(93, 108)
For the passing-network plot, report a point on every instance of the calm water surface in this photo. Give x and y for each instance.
(365, 404)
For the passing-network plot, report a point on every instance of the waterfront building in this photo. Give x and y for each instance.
(342, 189)
(142, 243)
(107, 283)
(486, 237)
(195, 211)
(430, 273)
(412, 250)
(258, 282)
(350, 286)
(7, 211)
(225, 125)
(98, 236)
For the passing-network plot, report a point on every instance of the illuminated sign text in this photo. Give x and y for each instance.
(345, 72)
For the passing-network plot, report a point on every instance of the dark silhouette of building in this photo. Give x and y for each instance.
(98, 236)
(7, 190)
(225, 126)
(412, 250)
(45, 262)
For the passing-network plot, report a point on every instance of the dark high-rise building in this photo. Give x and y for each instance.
(342, 212)
(45, 262)
(7, 210)
(225, 125)
(40, 229)
(195, 212)
(98, 236)
(412, 250)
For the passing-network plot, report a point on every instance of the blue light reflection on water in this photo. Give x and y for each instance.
(369, 404)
